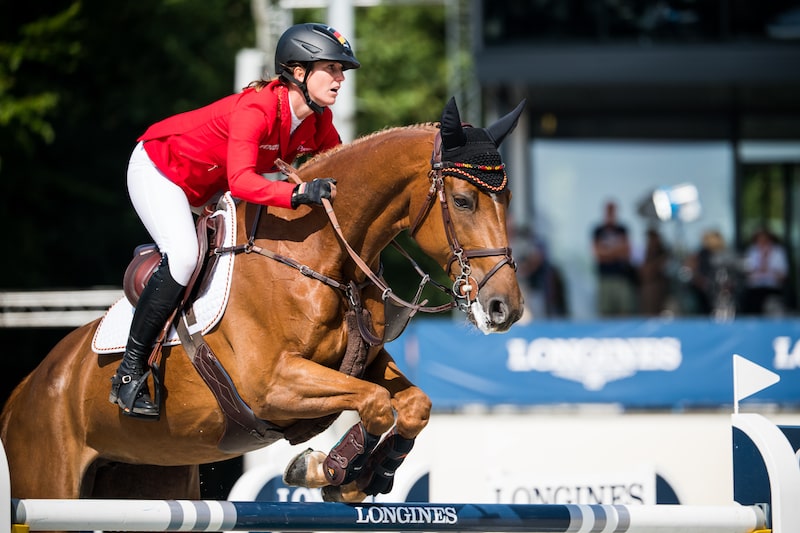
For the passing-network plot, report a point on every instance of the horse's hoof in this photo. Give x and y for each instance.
(296, 470)
(331, 493)
(299, 471)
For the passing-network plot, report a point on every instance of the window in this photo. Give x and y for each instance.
(645, 21)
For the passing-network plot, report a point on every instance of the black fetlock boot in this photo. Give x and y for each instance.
(129, 385)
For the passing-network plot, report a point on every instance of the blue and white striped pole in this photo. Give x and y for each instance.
(202, 515)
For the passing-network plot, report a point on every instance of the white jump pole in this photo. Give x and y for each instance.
(201, 515)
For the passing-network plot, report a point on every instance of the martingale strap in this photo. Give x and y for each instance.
(465, 287)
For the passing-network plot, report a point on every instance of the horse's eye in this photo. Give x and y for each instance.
(462, 202)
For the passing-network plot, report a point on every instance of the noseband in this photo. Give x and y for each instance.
(465, 287)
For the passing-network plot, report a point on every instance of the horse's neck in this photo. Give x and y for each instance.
(377, 179)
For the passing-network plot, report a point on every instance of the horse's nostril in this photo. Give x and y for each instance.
(498, 311)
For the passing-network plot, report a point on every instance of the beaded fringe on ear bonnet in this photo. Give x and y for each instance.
(478, 162)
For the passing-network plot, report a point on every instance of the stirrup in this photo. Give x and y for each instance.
(131, 394)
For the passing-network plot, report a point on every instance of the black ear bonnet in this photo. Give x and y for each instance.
(477, 161)
(471, 153)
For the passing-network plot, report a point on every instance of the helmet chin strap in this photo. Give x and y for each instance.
(304, 89)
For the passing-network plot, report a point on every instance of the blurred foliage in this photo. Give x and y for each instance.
(404, 78)
(403, 75)
(80, 80)
(50, 43)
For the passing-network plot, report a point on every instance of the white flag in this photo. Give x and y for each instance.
(749, 378)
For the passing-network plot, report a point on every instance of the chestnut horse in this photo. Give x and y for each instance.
(283, 335)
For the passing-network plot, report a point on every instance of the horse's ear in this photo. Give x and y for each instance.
(500, 129)
(453, 134)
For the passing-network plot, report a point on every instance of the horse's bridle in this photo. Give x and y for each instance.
(465, 287)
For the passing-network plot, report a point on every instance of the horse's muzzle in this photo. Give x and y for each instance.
(495, 313)
(501, 314)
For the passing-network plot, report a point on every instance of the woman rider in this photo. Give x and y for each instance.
(190, 159)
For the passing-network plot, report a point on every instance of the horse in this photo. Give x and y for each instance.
(284, 333)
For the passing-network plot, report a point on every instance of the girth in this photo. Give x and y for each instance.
(244, 431)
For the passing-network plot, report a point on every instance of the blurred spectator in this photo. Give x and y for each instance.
(653, 278)
(541, 281)
(714, 277)
(765, 268)
(616, 275)
(529, 254)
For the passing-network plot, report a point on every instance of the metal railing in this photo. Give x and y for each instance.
(54, 308)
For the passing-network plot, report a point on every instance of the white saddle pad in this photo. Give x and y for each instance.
(112, 333)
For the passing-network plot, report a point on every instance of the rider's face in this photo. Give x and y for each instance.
(324, 82)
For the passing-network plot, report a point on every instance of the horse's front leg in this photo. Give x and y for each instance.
(303, 389)
(412, 408)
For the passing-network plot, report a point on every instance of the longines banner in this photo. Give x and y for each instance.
(634, 363)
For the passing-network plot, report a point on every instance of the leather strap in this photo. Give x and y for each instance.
(243, 430)
(353, 364)
(289, 171)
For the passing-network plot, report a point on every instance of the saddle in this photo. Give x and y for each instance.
(243, 430)
(146, 259)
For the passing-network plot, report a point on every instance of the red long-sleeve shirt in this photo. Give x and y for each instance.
(229, 143)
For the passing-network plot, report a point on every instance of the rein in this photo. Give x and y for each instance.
(386, 291)
(465, 287)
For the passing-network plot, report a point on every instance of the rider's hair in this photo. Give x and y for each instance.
(263, 82)
(257, 84)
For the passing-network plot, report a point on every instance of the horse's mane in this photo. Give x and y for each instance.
(367, 137)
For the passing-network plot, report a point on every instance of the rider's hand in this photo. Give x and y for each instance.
(314, 191)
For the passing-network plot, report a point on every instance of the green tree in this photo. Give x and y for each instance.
(403, 81)
(87, 79)
(404, 78)
(80, 80)
(48, 44)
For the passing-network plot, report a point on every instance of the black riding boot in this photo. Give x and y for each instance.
(129, 385)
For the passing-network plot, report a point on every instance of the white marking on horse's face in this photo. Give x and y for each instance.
(480, 318)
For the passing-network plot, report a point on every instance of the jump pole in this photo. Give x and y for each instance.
(206, 515)
(781, 513)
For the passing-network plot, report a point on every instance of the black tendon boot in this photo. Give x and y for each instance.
(129, 385)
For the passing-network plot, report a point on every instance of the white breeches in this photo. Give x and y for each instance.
(163, 208)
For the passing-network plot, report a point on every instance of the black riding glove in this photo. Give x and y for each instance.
(313, 192)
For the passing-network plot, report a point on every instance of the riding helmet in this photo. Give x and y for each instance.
(304, 43)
